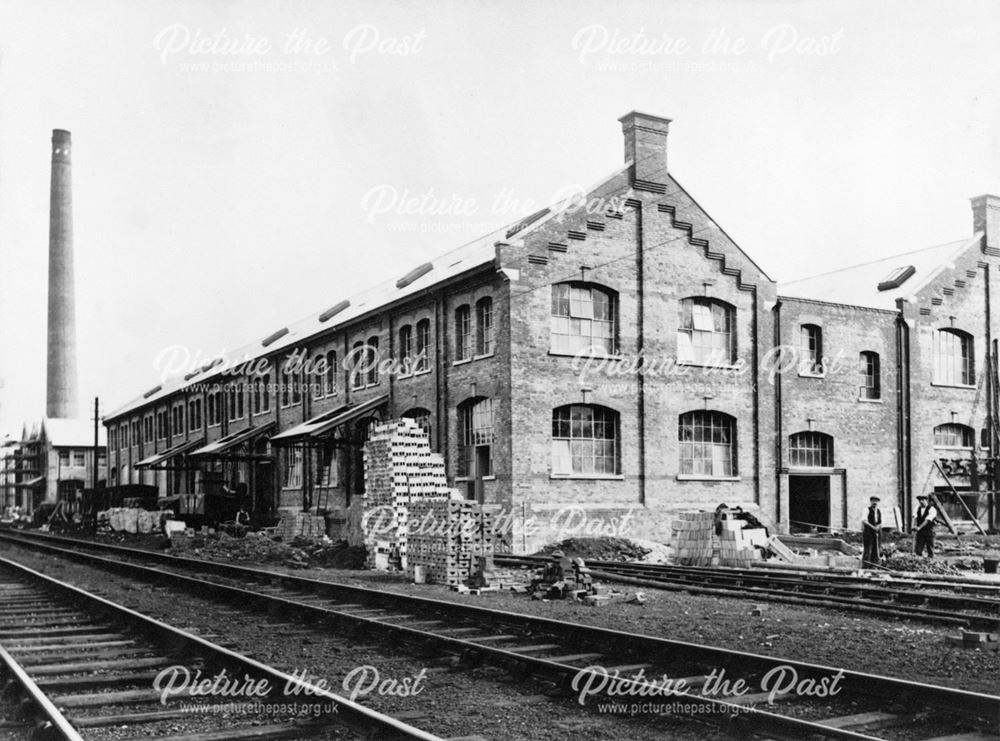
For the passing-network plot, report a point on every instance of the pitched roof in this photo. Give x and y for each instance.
(76, 433)
(476, 253)
(858, 285)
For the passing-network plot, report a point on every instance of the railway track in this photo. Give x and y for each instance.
(587, 664)
(953, 603)
(84, 668)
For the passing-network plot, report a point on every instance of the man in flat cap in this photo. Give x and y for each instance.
(923, 526)
(871, 531)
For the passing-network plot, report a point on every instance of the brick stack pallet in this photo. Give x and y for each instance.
(692, 538)
(445, 539)
(300, 525)
(400, 470)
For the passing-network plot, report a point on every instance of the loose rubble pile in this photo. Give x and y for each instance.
(919, 564)
(296, 553)
(598, 549)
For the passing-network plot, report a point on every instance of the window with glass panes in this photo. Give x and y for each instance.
(871, 381)
(953, 358)
(476, 425)
(583, 319)
(953, 436)
(811, 348)
(406, 349)
(584, 440)
(293, 468)
(463, 333)
(331, 373)
(484, 326)
(372, 360)
(706, 332)
(423, 345)
(810, 450)
(707, 444)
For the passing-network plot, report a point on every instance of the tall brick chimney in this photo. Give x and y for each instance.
(61, 390)
(646, 147)
(986, 218)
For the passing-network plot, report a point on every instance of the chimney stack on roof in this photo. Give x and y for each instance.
(61, 391)
(986, 219)
(646, 146)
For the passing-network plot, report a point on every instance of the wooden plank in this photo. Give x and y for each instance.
(531, 649)
(255, 732)
(57, 684)
(569, 658)
(21, 650)
(100, 699)
(877, 719)
(38, 670)
(126, 719)
(56, 640)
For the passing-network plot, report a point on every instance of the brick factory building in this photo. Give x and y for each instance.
(622, 356)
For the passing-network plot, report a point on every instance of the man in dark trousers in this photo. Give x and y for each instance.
(923, 527)
(871, 530)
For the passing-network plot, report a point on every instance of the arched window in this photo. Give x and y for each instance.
(463, 333)
(316, 376)
(810, 450)
(871, 375)
(706, 332)
(953, 435)
(372, 359)
(707, 444)
(584, 318)
(484, 326)
(811, 350)
(422, 417)
(406, 348)
(475, 437)
(358, 361)
(584, 440)
(423, 345)
(331, 373)
(954, 364)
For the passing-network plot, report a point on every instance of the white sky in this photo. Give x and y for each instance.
(214, 205)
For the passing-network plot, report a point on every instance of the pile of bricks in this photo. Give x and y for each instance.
(692, 538)
(400, 470)
(300, 525)
(446, 537)
(737, 544)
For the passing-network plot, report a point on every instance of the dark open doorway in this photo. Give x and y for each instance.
(809, 504)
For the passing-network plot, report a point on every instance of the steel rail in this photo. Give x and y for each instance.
(359, 719)
(611, 642)
(51, 724)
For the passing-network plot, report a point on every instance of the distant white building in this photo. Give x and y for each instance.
(54, 458)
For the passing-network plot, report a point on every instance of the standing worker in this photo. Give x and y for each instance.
(923, 534)
(871, 530)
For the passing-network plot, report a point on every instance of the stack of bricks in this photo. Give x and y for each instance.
(692, 538)
(300, 525)
(446, 538)
(400, 469)
(737, 545)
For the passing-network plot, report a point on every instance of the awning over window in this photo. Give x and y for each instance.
(323, 424)
(224, 445)
(30, 483)
(158, 459)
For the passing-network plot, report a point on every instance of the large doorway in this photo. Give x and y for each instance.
(809, 504)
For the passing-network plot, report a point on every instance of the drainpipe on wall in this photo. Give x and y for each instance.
(641, 341)
(778, 448)
(903, 417)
